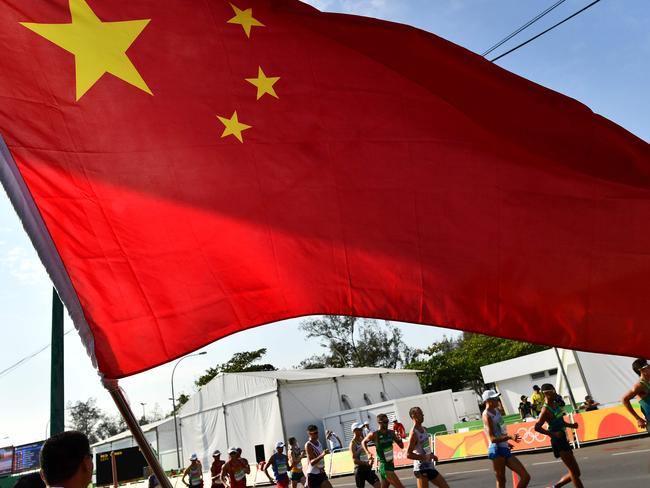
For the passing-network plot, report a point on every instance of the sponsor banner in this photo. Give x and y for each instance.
(606, 423)
(461, 445)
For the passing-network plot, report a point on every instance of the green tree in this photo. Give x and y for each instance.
(355, 342)
(456, 363)
(109, 426)
(240, 362)
(84, 417)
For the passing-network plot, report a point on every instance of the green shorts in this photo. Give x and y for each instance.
(385, 468)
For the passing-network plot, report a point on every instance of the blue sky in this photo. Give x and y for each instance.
(601, 58)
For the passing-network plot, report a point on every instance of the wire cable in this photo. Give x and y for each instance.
(25, 359)
(545, 31)
(525, 26)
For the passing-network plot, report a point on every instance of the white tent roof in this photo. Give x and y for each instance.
(127, 433)
(524, 365)
(314, 374)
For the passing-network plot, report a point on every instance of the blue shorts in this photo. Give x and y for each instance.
(495, 451)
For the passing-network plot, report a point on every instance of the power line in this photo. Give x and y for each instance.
(525, 26)
(25, 359)
(545, 31)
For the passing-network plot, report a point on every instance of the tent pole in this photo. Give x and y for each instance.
(125, 410)
(566, 379)
(57, 404)
(582, 372)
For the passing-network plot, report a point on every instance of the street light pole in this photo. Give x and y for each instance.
(144, 416)
(178, 452)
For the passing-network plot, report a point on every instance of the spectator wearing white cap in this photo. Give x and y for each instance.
(233, 473)
(499, 449)
(363, 472)
(194, 472)
(279, 462)
(366, 428)
(215, 469)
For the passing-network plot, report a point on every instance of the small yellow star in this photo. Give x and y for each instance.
(98, 47)
(264, 83)
(233, 127)
(245, 19)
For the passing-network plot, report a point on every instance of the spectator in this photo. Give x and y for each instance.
(66, 460)
(537, 399)
(590, 404)
(366, 429)
(333, 440)
(153, 481)
(525, 408)
(399, 429)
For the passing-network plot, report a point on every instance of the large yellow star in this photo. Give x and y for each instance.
(233, 127)
(98, 47)
(245, 19)
(264, 83)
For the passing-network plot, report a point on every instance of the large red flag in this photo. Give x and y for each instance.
(188, 169)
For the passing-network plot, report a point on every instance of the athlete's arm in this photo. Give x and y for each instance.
(364, 443)
(636, 391)
(544, 416)
(185, 473)
(410, 454)
(224, 474)
(398, 440)
(266, 468)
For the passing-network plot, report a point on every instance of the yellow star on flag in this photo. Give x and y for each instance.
(98, 47)
(264, 83)
(245, 19)
(233, 127)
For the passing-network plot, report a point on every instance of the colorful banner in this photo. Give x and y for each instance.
(606, 423)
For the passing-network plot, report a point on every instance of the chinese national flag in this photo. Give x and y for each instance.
(188, 169)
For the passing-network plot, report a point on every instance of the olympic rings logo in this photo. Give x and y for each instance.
(529, 435)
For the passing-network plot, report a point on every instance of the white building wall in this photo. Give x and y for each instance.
(512, 389)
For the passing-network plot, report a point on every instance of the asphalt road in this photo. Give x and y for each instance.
(619, 464)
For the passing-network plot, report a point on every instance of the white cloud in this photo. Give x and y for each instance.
(23, 265)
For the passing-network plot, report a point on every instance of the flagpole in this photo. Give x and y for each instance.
(57, 387)
(566, 378)
(125, 410)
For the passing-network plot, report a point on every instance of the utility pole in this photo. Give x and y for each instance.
(57, 409)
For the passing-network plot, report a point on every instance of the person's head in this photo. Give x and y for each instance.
(312, 432)
(536, 388)
(239, 452)
(232, 453)
(66, 459)
(31, 480)
(549, 392)
(279, 447)
(524, 398)
(216, 455)
(588, 399)
(416, 414)
(194, 459)
(356, 429)
(328, 434)
(382, 420)
(491, 398)
(641, 367)
(292, 441)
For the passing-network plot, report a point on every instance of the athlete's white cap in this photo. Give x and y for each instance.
(356, 426)
(193, 457)
(279, 444)
(490, 395)
(232, 449)
(216, 453)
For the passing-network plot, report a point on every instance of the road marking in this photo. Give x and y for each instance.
(630, 452)
(546, 462)
(468, 471)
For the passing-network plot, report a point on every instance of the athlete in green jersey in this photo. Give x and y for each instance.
(641, 390)
(553, 415)
(384, 439)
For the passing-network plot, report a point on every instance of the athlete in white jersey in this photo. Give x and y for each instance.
(420, 451)
(316, 475)
(499, 450)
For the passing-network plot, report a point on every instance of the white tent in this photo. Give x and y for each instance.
(605, 377)
(438, 408)
(160, 435)
(255, 410)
